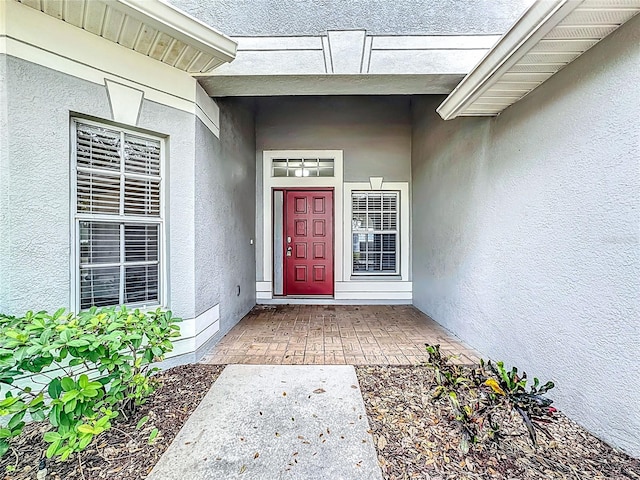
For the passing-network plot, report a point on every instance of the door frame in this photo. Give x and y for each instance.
(284, 241)
(264, 283)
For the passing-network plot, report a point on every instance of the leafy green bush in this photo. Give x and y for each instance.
(78, 371)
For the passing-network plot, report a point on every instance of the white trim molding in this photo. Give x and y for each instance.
(367, 290)
(195, 332)
(125, 102)
(100, 61)
(207, 111)
(548, 36)
(328, 64)
(264, 287)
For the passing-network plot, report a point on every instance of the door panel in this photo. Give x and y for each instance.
(308, 260)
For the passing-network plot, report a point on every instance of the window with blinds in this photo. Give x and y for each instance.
(118, 216)
(375, 232)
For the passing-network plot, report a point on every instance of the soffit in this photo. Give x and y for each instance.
(150, 27)
(348, 62)
(545, 39)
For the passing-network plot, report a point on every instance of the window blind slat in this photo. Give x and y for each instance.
(141, 284)
(99, 243)
(142, 197)
(142, 155)
(141, 243)
(97, 147)
(99, 287)
(98, 193)
(375, 232)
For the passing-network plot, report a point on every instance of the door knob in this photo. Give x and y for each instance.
(289, 249)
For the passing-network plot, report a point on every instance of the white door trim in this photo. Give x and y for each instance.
(269, 182)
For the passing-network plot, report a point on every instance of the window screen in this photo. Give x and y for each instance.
(375, 233)
(118, 216)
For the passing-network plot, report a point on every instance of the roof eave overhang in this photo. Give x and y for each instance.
(178, 24)
(152, 28)
(532, 26)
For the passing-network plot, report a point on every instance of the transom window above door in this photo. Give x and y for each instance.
(302, 167)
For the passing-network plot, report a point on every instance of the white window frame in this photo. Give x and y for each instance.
(302, 168)
(395, 232)
(404, 233)
(121, 220)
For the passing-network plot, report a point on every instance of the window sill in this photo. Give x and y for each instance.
(142, 308)
(377, 278)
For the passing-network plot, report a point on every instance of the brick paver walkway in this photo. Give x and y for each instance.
(335, 335)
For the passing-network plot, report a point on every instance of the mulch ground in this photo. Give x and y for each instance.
(417, 439)
(123, 452)
(414, 435)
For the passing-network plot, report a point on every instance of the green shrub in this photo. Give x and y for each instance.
(530, 403)
(78, 372)
(479, 398)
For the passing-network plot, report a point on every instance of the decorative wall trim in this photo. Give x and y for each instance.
(125, 102)
(195, 332)
(207, 111)
(348, 52)
(376, 183)
(264, 290)
(374, 290)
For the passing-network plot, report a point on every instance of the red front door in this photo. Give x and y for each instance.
(308, 242)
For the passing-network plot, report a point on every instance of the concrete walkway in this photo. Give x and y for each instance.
(271, 422)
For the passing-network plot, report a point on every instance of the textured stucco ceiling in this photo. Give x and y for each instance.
(378, 17)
